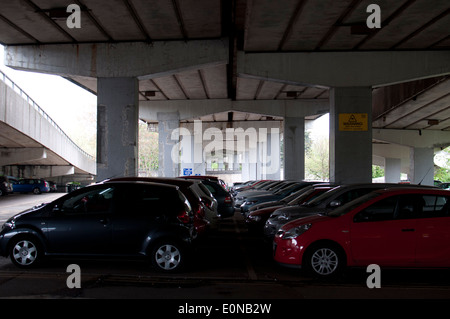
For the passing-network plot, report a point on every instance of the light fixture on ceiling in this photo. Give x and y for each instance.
(149, 93)
(57, 13)
(433, 122)
(292, 94)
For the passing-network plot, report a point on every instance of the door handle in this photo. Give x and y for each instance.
(408, 229)
(104, 221)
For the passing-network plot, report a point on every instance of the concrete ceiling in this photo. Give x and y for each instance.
(251, 26)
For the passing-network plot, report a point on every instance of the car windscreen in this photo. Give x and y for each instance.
(344, 209)
(319, 199)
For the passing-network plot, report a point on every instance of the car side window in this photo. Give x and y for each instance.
(139, 200)
(435, 206)
(379, 211)
(97, 200)
(211, 189)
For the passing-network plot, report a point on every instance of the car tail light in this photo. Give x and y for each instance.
(183, 217)
(200, 210)
(207, 203)
(227, 200)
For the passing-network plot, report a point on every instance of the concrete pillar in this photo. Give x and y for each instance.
(117, 127)
(422, 166)
(294, 148)
(270, 156)
(351, 135)
(392, 170)
(167, 122)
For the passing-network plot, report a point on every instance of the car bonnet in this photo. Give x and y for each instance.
(304, 221)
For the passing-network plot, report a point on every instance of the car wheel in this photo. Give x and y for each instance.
(167, 256)
(326, 260)
(36, 191)
(25, 252)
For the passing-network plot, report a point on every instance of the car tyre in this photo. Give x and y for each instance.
(36, 191)
(168, 256)
(25, 252)
(324, 260)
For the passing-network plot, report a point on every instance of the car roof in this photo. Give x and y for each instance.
(156, 180)
(383, 185)
(414, 190)
(138, 182)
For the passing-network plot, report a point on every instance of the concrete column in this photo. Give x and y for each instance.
(117, 127)
(270, 156)
(392, 170)
(422, 166)
(294, 148)
(167, 122)
(351, 135)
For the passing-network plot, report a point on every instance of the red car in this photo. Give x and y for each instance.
(401, 227)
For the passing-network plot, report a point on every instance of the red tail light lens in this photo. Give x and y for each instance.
(183, 217)
(200, 211)
(227, 200)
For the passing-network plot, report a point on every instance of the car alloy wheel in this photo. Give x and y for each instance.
(24, 253)
(36, 191)
(167, 257)
(324, 260)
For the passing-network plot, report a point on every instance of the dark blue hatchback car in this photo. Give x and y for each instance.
(111, 219)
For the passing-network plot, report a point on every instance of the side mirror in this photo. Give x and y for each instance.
(335, 203)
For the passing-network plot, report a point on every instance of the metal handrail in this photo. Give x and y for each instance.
(36, 106)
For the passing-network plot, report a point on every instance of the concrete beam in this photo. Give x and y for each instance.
(344, 69)
(18, 156)
(413, 138)
(113, 60)
(53, 171)
(189, 109)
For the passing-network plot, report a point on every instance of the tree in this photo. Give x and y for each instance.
(377, 171)
(317, 160)
(148, 150)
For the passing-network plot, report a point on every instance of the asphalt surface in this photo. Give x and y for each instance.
(228, 264)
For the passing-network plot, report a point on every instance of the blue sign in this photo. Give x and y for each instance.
(187, 171)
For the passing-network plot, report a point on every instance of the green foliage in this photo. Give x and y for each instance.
(317, 158)
(148, 150)
(377, 171)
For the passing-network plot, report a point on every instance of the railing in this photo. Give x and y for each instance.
(30, 101)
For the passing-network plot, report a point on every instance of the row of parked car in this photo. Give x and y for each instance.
(10, 185)
(155, 218)
(323, 228)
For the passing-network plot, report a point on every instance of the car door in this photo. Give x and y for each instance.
(81, 222)
(433, 232)
(384, 232)
(21, 186)
(138, 210)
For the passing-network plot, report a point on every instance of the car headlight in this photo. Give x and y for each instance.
(8, 224)
(250, 202)
(282, 217)
(254, 218)
(296, 231)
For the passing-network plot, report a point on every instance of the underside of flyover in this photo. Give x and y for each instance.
(236, 61)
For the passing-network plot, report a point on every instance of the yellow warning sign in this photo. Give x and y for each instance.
(353, 122)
